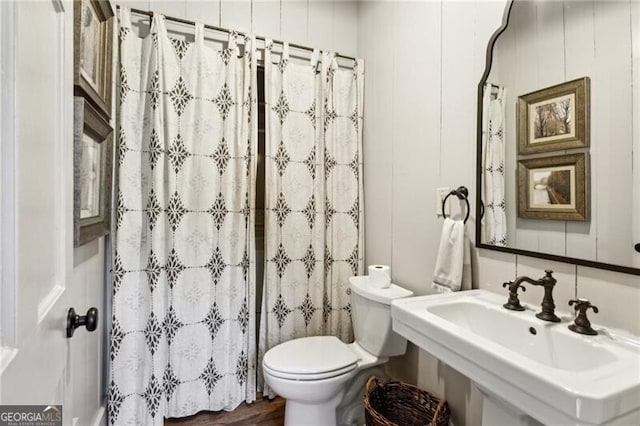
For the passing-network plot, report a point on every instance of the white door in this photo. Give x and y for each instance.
(42, 275)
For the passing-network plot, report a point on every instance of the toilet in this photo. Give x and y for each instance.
(321, 377)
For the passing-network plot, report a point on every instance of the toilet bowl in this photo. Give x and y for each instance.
(316, 375)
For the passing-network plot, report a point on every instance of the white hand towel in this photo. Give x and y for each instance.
(453, 266)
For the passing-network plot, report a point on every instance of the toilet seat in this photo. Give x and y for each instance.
(310, 358)
(309, 377)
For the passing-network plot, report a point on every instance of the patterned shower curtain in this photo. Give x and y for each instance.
(314, 217)
(183, 333)
(494, 222)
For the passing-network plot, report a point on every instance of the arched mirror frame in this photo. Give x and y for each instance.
(479, 205)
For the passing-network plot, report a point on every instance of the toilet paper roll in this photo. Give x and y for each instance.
(379, 276)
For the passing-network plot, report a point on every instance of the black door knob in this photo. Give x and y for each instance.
(637, 247)
(74, 320)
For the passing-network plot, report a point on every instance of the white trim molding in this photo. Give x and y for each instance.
(8, 290)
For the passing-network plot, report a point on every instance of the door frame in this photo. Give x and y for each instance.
(8, 338)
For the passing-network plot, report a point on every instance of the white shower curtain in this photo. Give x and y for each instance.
(494, 222)
(314, 217)
(183, 334)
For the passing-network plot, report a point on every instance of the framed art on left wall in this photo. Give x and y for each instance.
(92, 173)
(93, 23)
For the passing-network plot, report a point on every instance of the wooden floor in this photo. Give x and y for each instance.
(263, 412)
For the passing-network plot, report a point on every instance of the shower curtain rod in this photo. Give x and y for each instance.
(225, 30)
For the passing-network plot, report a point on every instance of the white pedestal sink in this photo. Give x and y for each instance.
(530, 371)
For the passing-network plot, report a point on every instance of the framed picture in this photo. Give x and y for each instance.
(93, 52)
(555, 118)
(92, 173)
(554, 188)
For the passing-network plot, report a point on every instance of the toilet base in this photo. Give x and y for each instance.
(345, 408)
(351, 409)
(299, 413)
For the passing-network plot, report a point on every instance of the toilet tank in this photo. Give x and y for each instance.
(371, 317)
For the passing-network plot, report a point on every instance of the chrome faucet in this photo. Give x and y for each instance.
(548, 307)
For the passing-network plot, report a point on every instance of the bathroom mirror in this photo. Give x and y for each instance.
(558, 160)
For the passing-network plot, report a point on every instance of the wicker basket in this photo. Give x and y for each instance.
(394, 403)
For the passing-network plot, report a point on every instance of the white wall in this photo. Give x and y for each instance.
(328, 25)
(423, 61)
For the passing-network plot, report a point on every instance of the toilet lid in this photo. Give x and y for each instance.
(310, 358)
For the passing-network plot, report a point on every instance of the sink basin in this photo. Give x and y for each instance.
(540, 368)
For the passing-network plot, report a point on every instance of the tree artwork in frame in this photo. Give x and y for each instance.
(92, 163)
(93, 52)
(554, 188)
(555, 118)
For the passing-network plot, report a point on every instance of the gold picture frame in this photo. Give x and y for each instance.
(92, 173)
(555, 118)
(554, 188)
(93, 24)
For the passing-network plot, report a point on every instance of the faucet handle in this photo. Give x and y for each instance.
(510, 284)
(513, 303)
(582, 324)
(582, 305)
